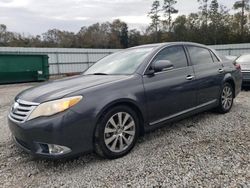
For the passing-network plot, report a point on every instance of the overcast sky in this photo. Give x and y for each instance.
(37, 16)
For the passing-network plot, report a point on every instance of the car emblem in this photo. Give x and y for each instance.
(15, 106)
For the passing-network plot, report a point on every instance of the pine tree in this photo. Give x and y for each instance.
(154, 15)
(168, 8)
(243, 5)
(204, 11)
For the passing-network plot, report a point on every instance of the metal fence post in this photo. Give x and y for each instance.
(57, 62)
(88, 63)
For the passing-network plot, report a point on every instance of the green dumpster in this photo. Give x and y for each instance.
(16, 68)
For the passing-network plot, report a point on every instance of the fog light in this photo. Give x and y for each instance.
(58, 150)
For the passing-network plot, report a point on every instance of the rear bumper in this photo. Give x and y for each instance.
(246, 78)
(66, 129)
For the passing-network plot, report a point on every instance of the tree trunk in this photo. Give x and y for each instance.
(242, 20)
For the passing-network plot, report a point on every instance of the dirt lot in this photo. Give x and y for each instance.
(208, 150)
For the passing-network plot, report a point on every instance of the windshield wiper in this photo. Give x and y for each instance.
(98, 73)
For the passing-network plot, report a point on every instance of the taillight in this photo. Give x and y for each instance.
(237, 66)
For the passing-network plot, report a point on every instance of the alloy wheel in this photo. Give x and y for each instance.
(119, 132)
(227, 97)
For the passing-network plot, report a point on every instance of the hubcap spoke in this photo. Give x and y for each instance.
(112, 122)
(120, 119)
(125, 119)
(114, 143)
(109, 140)
(109, 130)
(129, 132)
(121, 143)
(125, 139)
(131, 124)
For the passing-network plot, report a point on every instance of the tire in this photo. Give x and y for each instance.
(226, 99)
(114, 139)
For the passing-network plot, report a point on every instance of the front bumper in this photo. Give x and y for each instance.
(68, 129)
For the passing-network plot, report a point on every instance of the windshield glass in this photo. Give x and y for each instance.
(123, 62)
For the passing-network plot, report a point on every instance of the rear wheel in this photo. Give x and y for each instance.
(116, 132)
(226, 98)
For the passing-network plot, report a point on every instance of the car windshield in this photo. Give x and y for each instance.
(123, 62)
(244, 59)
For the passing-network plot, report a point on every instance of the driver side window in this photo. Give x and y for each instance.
(175, 54)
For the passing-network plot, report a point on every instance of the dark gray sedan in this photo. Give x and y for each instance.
(121, 97)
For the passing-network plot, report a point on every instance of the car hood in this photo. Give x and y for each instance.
(60, 88)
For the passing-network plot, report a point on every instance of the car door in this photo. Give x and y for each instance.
(170, 92)
(209, 74)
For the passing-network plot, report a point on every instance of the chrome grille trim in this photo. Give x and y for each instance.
(21, 110)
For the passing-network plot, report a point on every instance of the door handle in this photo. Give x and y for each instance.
(221, 70)
(190, 77)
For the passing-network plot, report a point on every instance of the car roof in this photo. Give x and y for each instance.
(158, 45)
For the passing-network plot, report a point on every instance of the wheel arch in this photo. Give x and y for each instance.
(125, 102)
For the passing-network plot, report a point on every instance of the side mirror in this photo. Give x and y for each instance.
(162, 65)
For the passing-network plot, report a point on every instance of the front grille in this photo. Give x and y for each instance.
(21, 110)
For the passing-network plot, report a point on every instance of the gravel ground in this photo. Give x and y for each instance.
(207, 150)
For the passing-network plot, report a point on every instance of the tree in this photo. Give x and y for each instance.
(218, 21)
(180, 28)
(204, 11)
(154, 15)
(134, 37)
(119, 31)
(3, 30)
(58, 38)
(94, 36)
(168, 8)
(51, 37)
(6, 37)
(243, 5)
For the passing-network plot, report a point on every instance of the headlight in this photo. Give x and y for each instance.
(54, 107)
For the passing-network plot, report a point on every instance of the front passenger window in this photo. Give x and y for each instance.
(175, 54)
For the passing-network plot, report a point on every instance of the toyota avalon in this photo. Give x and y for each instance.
(119, 98)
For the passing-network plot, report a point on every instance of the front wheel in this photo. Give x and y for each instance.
(116, 132)
(226, 99)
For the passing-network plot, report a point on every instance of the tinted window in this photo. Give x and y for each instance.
(175, 54)
(199, 55)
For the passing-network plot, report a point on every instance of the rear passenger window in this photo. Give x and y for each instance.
(175, 54)
(199, 55)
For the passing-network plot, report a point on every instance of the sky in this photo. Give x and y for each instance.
(37, 16)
